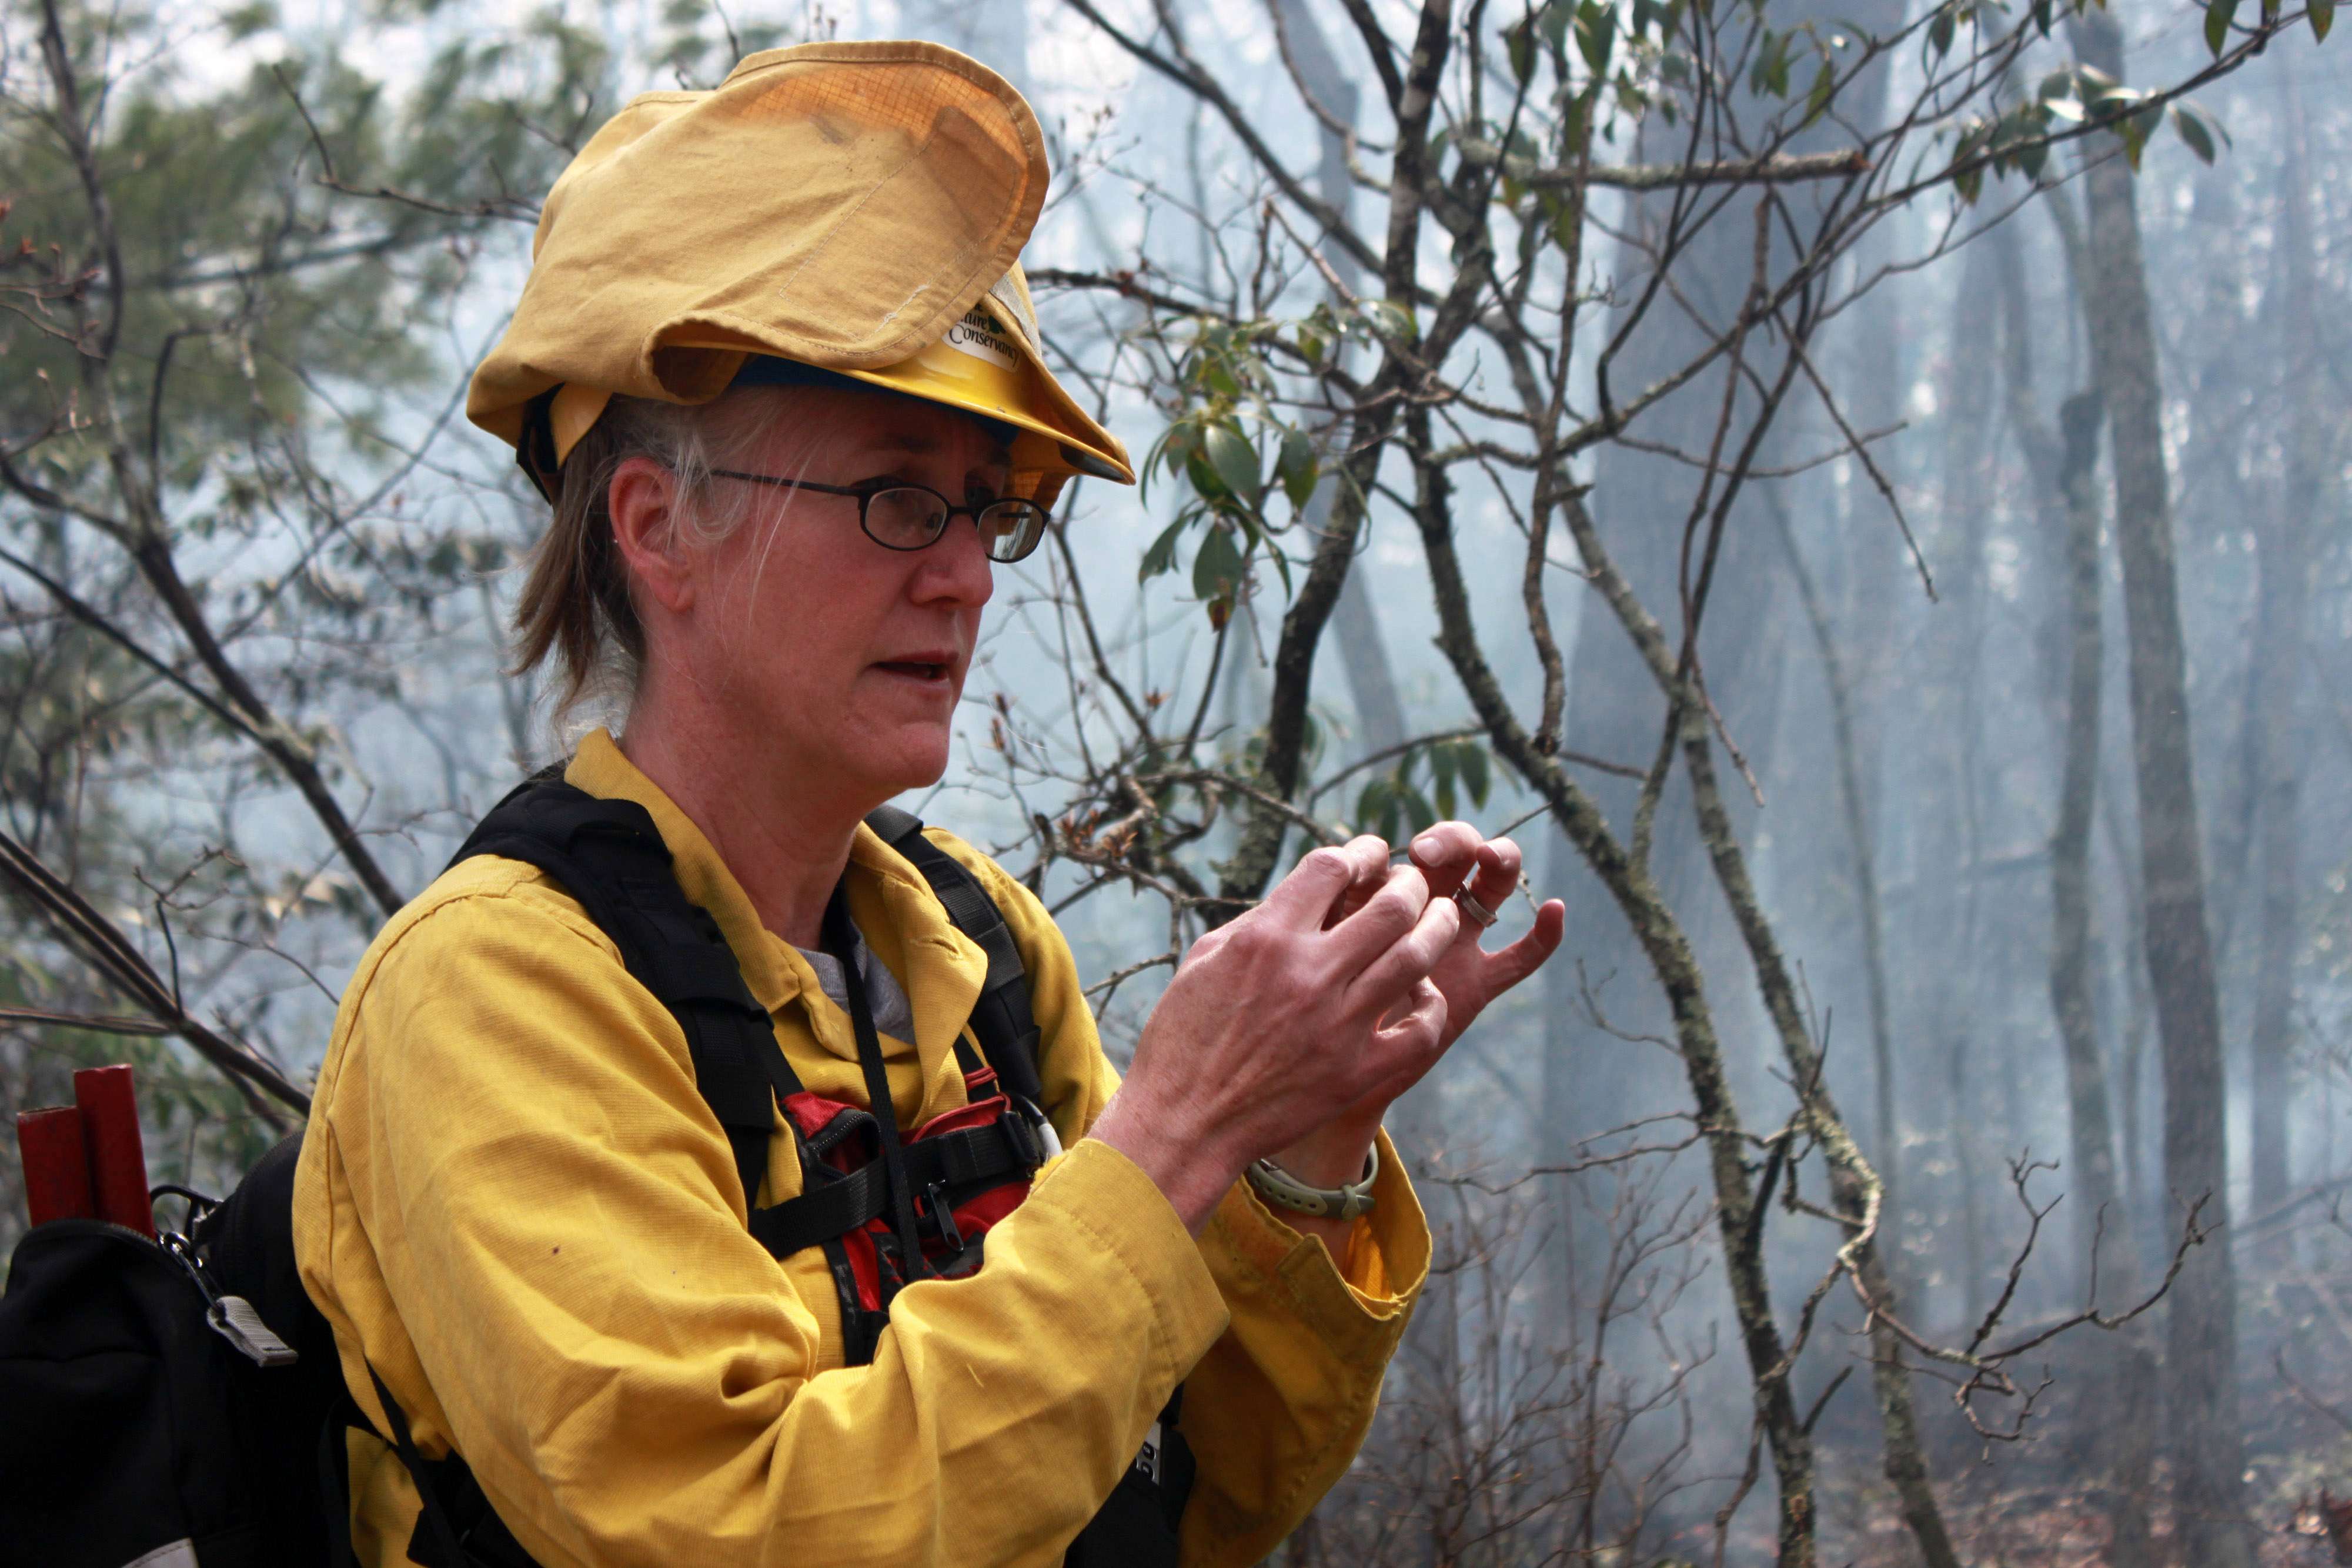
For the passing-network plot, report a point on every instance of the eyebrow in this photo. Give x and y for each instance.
(916, 443)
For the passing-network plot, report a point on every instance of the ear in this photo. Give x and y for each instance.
(645, 503)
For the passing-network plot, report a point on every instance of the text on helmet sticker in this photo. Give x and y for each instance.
(979, 335)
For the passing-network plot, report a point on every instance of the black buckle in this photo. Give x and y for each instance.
(943, 1216)
(1027, 1146)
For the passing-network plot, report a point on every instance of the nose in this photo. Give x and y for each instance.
(955, 569)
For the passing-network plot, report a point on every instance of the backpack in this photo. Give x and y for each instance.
(154, 1420)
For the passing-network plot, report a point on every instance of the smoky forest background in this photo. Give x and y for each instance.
(1860, 491)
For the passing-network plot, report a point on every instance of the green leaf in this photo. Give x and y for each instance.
(1390, 319)
(1553, 21)
(1564, 224)
(2191, 126)
(1376, 807)
(1174, 447)
(1940, 31)
(2218, 15)
(2032, 155)
(1418, 813)
(1297, 468)
(1206, 480)
(1217, 573)
(1596, 35)
(1235, 462)
(1817, 102)
(2323, 17)
(242, 22)
(1161, 556)
(1520, 42)
(1474, 772)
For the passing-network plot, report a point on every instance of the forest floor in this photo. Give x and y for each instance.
(2029, 1504)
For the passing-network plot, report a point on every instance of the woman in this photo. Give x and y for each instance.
(775, 368)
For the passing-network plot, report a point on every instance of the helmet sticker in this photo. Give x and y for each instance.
(979, 335)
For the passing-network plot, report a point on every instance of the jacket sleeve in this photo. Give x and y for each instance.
(1276, 1409)
(628, 1373)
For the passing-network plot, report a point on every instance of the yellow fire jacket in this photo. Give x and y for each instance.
(515, 1204)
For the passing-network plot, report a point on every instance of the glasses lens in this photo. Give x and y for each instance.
(906, 518)
(1011, 529)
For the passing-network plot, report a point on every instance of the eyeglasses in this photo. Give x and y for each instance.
(912, 516)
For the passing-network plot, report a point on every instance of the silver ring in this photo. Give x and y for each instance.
(1473, 908)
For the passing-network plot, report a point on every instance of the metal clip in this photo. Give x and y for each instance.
(234, 1319)
(1040, 1123)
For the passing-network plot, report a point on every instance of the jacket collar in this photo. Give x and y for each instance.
(908, 928)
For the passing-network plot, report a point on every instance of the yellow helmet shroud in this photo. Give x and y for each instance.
(858, 208)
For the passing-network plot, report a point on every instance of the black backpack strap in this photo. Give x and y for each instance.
(949, 1161)
(609, 855)
(1002, 1018)
(436, 1534)
(841, 936)
(334, 1461)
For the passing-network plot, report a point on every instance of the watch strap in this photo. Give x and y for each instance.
(1282, 1190)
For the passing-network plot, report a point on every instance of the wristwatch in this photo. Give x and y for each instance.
(1280, 1188)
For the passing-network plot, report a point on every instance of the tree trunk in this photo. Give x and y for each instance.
(2200, 1364)
(1854, 797)
(2090, 1134)
(2064, 462)
(1877, 579)
(1371, 680)
(2285, 563)
(2121, 1450)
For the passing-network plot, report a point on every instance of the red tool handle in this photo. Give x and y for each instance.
(57, 1173)
(117, 1159)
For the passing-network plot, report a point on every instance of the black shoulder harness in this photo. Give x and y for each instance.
(609, 855)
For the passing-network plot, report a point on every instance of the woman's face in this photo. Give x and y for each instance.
(849, 656)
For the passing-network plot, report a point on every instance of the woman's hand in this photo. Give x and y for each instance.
(1448, 856)
(1278, 1022)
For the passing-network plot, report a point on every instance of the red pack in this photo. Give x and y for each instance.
(967, 1169)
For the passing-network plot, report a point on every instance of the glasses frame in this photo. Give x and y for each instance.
(864, 497)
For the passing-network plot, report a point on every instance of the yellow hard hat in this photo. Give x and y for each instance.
(857, 209)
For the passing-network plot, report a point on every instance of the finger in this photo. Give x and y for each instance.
(1446, 854)
(1302, 898)
(1367, 856)
(1387, 916)
(1501, 855)
(1392, 972)
(1492, 885)
(1526, 956)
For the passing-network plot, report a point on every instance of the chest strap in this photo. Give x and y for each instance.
(1002, 1018)
(609, 855)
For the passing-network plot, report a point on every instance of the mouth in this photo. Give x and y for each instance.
(932, 669)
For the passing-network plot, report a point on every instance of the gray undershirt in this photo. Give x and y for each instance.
(893, 1014)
